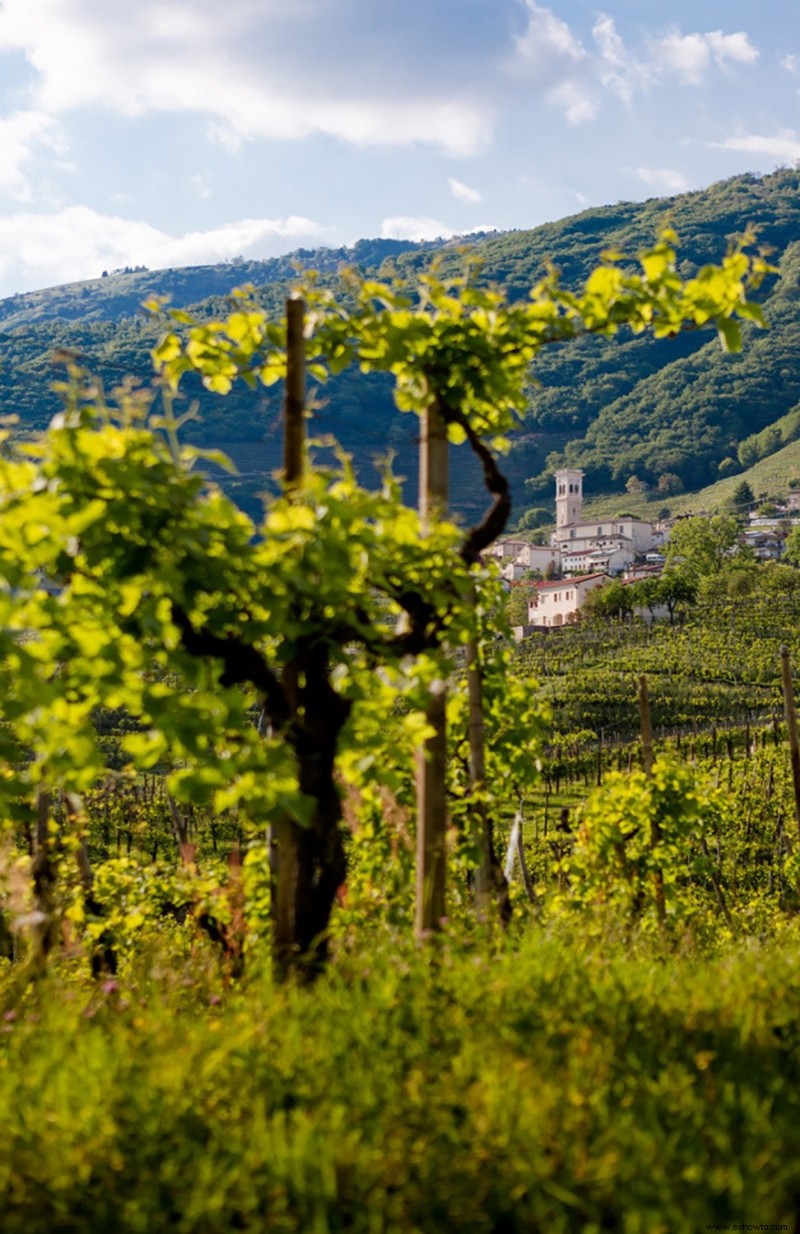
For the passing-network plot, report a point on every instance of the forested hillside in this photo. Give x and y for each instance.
(640, 407)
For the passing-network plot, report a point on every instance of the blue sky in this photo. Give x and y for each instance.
(175, 132)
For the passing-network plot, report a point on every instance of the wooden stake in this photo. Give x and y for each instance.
(647, 761)
(294, 427)
(285, 856)
(489, 877)
(432, 758)
(645, 726)
(477, 770)
(516, 852)
(791, 725)
(43, 870)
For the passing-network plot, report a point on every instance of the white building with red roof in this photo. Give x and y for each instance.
(558, 603)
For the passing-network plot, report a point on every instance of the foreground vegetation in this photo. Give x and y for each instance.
(557, 1082)
(229, 750)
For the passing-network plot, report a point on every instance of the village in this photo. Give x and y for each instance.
(583, 556)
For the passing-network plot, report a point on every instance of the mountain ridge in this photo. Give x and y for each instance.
(627, 407)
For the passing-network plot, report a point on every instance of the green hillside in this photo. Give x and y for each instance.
(631, 407)
(769, 478)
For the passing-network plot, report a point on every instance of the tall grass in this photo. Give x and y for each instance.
(556, 1084)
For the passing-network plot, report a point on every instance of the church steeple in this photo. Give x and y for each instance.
(569, 497)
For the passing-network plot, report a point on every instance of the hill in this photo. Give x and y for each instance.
(632, 407)
(769, 478)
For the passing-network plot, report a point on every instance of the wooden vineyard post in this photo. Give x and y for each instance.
(295, 400)
(645, 726)
(647, 761)
(490, 877)
(477, 768)
(43, 870)
(791, 725)
(286, 841)
(432, 758)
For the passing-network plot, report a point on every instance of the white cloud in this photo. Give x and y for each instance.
(620, 71)
(784, 145)
(546, 38)
(577, 103)
(406, 227)
(78, 243)
(571, 77)
(20, 135)
(736, 47)
(254, 68)
(353, 70)
(691, 55)
(550, 58)
(665, 179)
(791, 63)
(463, 192)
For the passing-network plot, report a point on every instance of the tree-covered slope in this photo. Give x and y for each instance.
(690, 415)
(632, 406)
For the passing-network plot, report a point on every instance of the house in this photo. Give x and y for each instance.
(766, 545)
(507, 550)
(613, 560)
(557, 603)
(513, 571)
(541, 557)
(649, 569)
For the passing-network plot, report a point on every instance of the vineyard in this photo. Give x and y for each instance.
(323, 906)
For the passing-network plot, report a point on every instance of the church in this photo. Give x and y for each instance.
(610, 546)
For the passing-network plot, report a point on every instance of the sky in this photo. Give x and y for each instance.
(184, 132)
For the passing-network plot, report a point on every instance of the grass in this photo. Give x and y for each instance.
(770, 476)
(561, 1083)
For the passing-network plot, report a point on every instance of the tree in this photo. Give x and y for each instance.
(701, 546)
(743, 497)
(517, 605)
(793, 546)
(646, 593)
(535, 516)
(611, 601)
(669, 484)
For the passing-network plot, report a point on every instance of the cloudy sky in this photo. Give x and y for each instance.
(175, 132)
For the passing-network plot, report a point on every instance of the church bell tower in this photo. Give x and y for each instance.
(569, 497)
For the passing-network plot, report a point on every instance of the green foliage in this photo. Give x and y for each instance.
(639, 834)
(769, 440)
(536, 516)
(517, 605)
(718, 665)
(140, 559)
(743, 497)
(553, 1084)
(701, 546)
(793, 546)
(149, 635)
